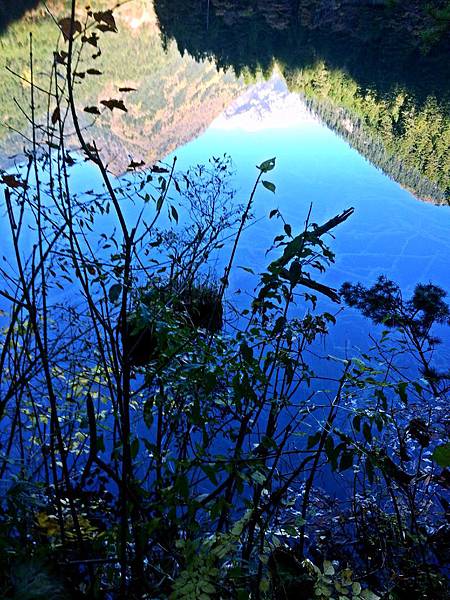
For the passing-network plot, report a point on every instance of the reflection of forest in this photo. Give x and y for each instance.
(362, 66)
(375, 44)
(381, 66)
(176, 97)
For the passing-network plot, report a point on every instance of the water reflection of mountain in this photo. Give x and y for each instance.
(376, 72)
(361, 67)
(174, 101)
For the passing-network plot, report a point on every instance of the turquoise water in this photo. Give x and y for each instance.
(391, 232)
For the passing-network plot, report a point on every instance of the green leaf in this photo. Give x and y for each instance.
(279, 326)
(100, 444)
(295, 272)
(270, 186)
(367, 432)
(328, 568)
(211, 473)
(356, 588)
(134, 448)
(288, 229)
(346, 461)
(247, 269)
(441, 455)
(159, 203)
(370, 471)
(329, 317)
(114, 292)
(208, 588)
(300, 521)
(148, 413)
(174, 214)
(368, 595)
(267, 165)
(182, 486)
(290, 530)
(401, 390)
(313, 440)
(258, 477)
(246, 352)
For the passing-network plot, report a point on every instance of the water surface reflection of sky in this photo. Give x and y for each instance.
(390, 233)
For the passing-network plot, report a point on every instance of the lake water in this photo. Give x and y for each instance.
(185, 106)
(390, 233)
(347, 128)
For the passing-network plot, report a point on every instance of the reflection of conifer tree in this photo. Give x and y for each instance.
(386, 91)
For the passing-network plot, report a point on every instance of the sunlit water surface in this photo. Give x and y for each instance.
(391, 232)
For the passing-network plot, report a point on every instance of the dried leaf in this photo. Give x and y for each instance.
(69, 160)
(106, 20)
(60, 57)
(136, 165)
(48, 523)
(93, 110)
(56, 116)
(156, 169)
(113, 103)
(67, 28)
(12, 182)
(92, 39)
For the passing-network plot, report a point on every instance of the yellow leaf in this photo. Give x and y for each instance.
(48, 523)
